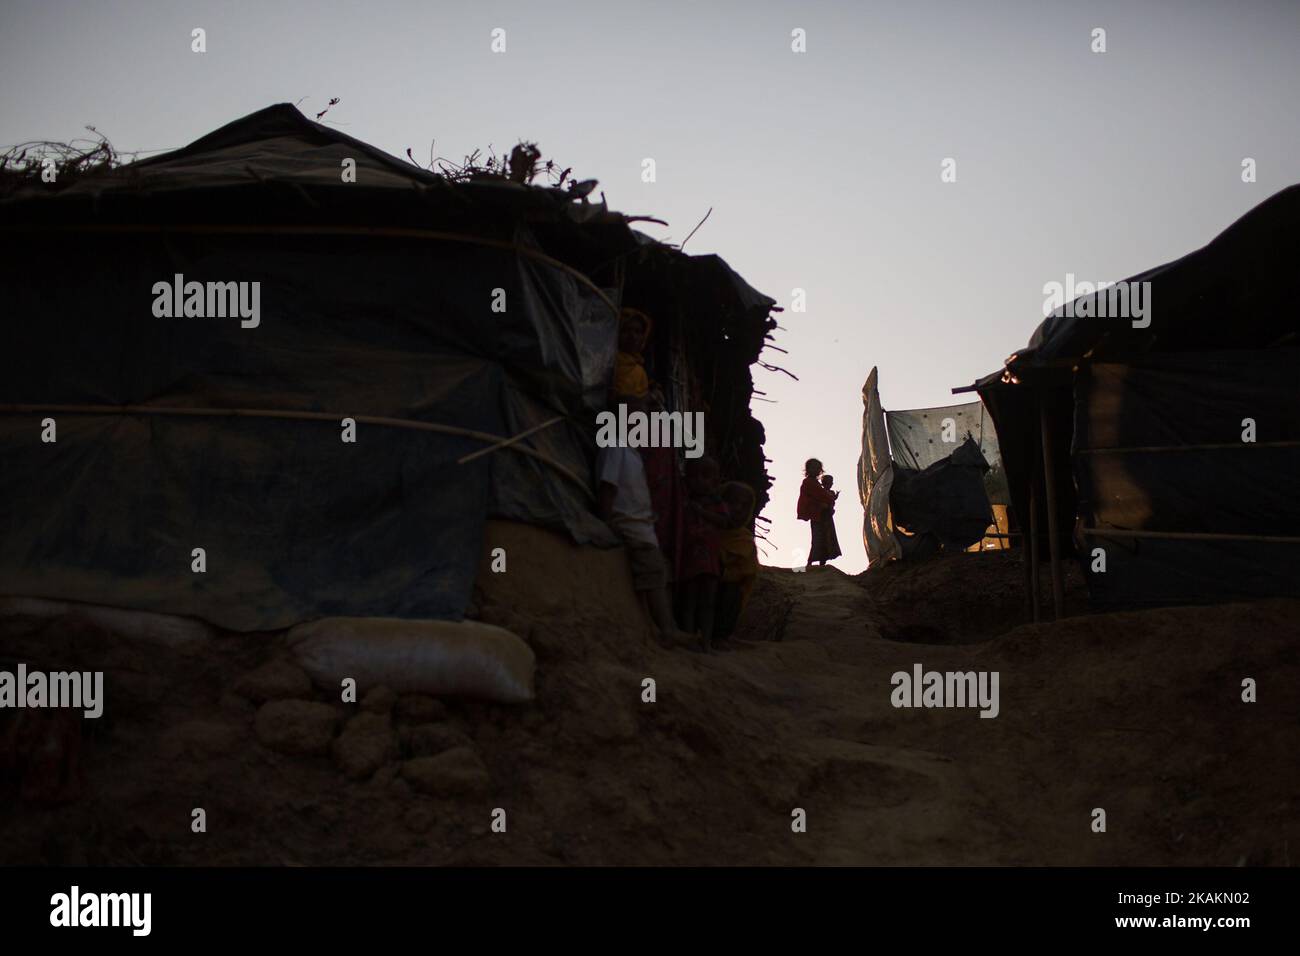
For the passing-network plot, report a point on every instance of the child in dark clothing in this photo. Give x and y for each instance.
(830, 540)
(815, 505)
(667, 493)
(739, 559)
(706, 514)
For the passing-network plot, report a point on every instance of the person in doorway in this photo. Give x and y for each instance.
(706, 514)
(630, 378)
(739, 558)
(624, 504)
(667, 492)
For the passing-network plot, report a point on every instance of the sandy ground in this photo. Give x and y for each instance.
(1136, 713)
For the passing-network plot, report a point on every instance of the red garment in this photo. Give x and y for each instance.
(667, 496)
(701, 553)
(813, 499)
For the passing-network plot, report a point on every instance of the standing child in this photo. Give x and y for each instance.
(830, 540)
(814, 501)
(739, 558)
(701, 562)
(667, 493)
(630, 377)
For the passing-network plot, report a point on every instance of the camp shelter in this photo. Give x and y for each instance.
(1170, 441)
(929, 479)
(202, 465)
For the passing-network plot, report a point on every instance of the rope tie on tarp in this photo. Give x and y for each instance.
(497, 442)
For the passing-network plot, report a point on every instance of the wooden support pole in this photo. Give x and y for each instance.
(1222, 446)
(1189, 535)
(1031, 552)
(506, 443)
(1053, 539)
(1029, 581)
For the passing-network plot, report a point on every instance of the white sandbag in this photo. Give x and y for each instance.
(146, 626)
(439, 658)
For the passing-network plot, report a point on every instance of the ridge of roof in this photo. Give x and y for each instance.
(281, 120)
(1060, 338)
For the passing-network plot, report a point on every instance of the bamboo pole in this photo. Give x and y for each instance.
(1222, 446)
(23, 409)
(1189, 535)
(509, 441)
(1053, 540)
(1032, 550)
(1028, 582)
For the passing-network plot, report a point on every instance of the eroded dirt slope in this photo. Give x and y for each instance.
(1137, 713)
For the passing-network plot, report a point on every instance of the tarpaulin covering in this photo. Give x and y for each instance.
(1229, 310)
(709, 328)
(945, 501)
(875, 477)
(1192, 298)
(1159, 447)
(920, 437)
(295, 523)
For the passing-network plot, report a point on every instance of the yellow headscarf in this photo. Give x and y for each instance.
(630, 377)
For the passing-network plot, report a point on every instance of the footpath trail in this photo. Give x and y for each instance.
(1139, 714)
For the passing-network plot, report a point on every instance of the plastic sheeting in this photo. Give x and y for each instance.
(1159, 447)
(377, 299)
(875, 477)
(918, 438)
(1224, 295)
(926, 486)
(1226, 303)
(295, 523)
(944, 502)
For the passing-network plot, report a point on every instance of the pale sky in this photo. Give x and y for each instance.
(822, 168)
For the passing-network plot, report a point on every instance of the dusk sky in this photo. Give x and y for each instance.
(822, 167)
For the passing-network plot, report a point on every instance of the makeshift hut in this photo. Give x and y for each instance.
(245, 381)
(1162, 449)
(930, 479)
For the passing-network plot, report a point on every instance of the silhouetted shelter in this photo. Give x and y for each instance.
(927, 477)
(440, 317)
(1168, 449)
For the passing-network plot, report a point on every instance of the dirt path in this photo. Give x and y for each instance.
(1139, 714)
